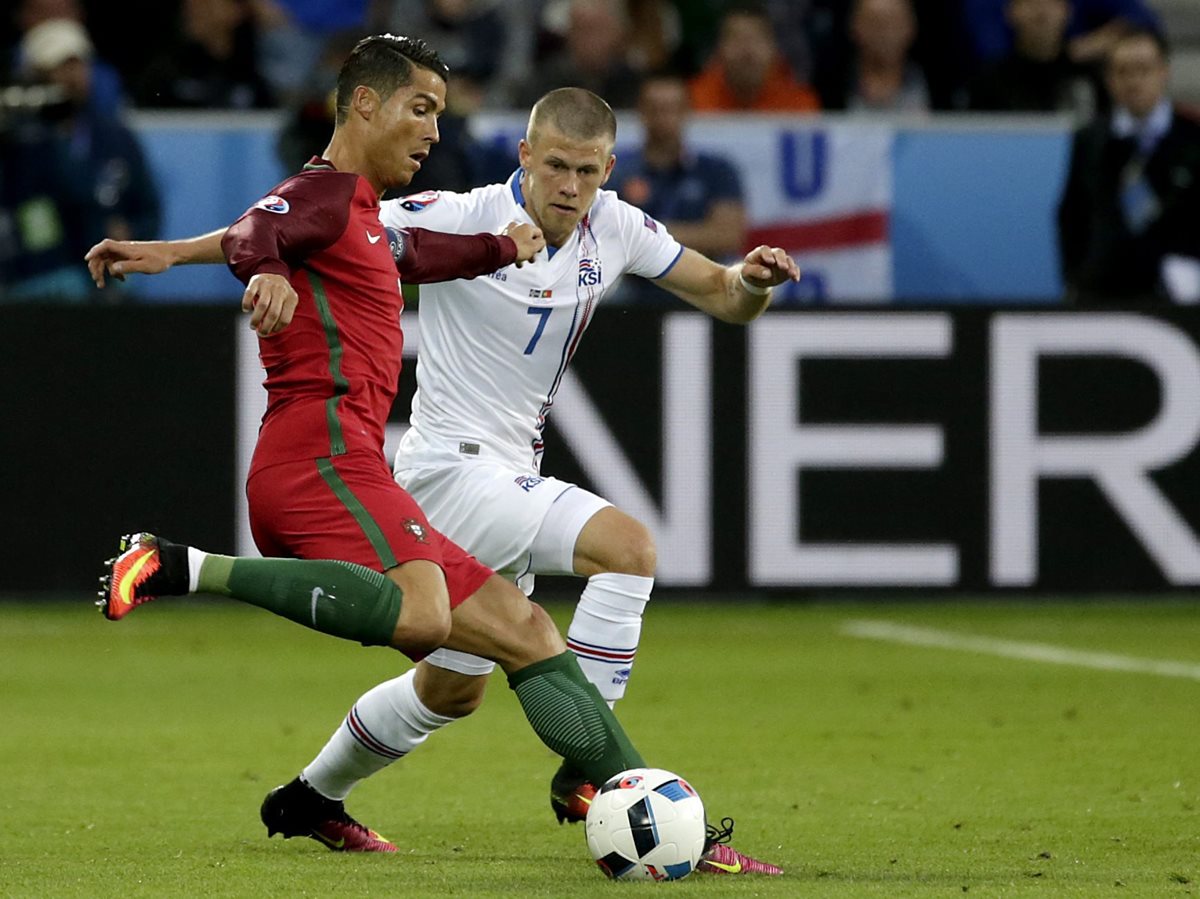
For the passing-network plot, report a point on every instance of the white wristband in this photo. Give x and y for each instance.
(750, 288)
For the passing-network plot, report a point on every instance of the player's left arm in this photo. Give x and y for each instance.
(732, 293)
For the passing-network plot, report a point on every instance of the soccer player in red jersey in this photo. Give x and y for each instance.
(321, 282)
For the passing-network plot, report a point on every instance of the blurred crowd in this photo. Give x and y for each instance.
(902, 55)
(73, 65)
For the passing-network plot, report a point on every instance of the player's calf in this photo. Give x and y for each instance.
(337, 598)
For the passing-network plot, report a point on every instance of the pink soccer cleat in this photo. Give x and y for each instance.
(297, 810)
(721, 858)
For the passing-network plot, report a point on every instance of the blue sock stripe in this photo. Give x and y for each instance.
(607, 656)
(587, 645)
(367, 740)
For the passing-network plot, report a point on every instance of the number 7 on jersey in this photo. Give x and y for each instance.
(543, 313)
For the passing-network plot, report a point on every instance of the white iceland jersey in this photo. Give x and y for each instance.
(493, 350)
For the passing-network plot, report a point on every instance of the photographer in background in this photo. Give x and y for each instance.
(1127, 220)
(69, 175)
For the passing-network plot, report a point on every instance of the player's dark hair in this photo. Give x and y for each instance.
(577, 113)
(1142, 33)
(384, 62)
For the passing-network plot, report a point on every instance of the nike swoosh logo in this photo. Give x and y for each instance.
(317, 593)
(735, 868)
(125, 588)
(332, 844)
(373, 238)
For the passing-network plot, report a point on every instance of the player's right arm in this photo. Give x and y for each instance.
(150, 257)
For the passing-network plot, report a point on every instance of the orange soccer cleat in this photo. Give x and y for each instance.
(570, 796)
(145, 568)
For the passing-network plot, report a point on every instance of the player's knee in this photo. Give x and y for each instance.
(634, 552)
(423, 633)
(544, 639)
(533, 637)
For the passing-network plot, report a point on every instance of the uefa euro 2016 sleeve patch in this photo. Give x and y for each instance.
(420, 202)
(272, 203)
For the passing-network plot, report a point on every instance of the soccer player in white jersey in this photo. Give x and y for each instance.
(493, 352)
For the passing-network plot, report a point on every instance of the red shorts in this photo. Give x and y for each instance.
(349, 508)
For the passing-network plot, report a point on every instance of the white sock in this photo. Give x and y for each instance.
(606, 628)
(387, 723)
(195, 560)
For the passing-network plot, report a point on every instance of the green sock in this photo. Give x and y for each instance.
(566, 711)
(337, 598)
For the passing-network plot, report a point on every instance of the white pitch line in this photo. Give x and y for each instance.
(1015, 649)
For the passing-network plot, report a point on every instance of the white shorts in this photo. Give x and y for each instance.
(515, 523)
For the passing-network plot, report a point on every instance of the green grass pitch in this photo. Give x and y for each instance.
(134, 756)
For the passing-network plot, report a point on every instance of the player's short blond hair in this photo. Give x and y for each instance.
(575, 113)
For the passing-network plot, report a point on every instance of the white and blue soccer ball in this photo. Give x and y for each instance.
(646, 824)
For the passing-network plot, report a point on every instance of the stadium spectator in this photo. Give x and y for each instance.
(654, 34)
(1037, 75)
(72, 174)
(107, 88)
(471, 35)
(747, 71)
(697, 196)
(292, 35)
(1094, 27)
(593, 57)
(796, 23)
(1132, 199)
(879, 74)
(212, 62)
(939, 48)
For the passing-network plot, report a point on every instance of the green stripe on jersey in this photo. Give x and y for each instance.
(337, 443)
(370, 527)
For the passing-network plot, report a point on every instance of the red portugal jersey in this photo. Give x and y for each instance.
(332, 373)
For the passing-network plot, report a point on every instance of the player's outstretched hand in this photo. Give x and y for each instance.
(270, 300)
(769, 266)
(528, 238)
(125, 257)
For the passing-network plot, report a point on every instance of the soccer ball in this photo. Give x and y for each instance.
(646, 824)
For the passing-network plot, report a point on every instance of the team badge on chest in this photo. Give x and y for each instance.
(589, 272)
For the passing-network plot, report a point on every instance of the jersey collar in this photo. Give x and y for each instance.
(514, 182)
